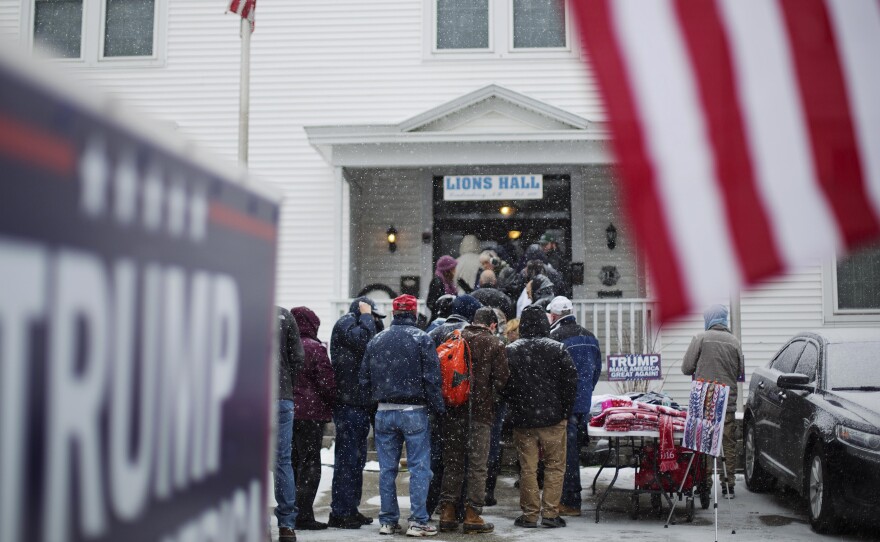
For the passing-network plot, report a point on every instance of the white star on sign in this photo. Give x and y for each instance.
(153, 196)
(126, 188)
(176, 208)
(93, 173)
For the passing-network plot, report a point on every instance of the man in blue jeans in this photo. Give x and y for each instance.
(353, 411)
(290, 359)
(583, 347)
(402, 373)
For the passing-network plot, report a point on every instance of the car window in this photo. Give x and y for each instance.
(852, 366)
(808, 361)
(785, 361)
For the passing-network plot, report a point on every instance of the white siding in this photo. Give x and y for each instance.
(10, 20)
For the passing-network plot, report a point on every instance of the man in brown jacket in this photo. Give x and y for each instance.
(716, 355)
(466, 429)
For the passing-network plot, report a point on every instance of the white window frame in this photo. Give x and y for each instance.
(500, 37)
(94, 19)
(832, 312)
(525, 50)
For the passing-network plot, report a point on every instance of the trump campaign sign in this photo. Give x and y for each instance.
(634, 367)
(136, 330)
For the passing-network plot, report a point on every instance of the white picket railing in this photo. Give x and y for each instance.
(621, 325)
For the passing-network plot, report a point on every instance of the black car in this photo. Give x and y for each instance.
(812, 422)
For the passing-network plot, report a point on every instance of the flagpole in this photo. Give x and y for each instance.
(244, 92)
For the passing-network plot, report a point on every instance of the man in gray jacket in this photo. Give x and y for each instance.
(716, 355)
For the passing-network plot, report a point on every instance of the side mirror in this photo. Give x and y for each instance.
(794, 381)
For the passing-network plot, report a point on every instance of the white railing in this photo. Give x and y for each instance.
(621, 325)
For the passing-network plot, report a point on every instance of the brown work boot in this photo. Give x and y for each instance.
(286, 535)
(448, 522)
(474, 524)
(569, 510)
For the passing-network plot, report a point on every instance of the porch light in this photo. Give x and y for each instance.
(514, 234)
(392, 238)
(506, 210)
(611, 236)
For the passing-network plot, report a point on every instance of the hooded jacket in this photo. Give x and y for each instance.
(543, 380)
(489, 372)
(716, 354)
(583, 347)
(290, 353)
(348, 342)
(315, 390)
(468, 261)
(492, 297)
(401, 366)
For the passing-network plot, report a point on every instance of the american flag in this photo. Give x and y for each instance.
(244, 8)
(747, 133)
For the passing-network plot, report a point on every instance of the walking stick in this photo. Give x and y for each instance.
(727, 485)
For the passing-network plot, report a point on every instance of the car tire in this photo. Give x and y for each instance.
(757, 479)
(819, 493)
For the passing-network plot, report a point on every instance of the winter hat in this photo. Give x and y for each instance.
(466, 306)
(445, 263)
(375, 310)
(546, 238)
(469, 244)
(533, 322)
(560, 305)
(714, 315)
(406, 303)
(535, 252)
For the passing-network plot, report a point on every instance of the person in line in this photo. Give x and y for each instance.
(314, 395)
(401, 372)
(538, 291)
(490, 260)
(353, 411)
(442, 284)
(290, 358)
(541, 392)
(468, 263)
(493, 462)
(556, 259)
(442, 310)
(467, 428)
(583, 347)
(490, 296)
(464, 307)
(716, 355)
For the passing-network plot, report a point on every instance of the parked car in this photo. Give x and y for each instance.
(812, 422)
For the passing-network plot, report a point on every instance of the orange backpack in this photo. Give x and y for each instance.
(455, 369)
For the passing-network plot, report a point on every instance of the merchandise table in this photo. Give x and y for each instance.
(636, 442)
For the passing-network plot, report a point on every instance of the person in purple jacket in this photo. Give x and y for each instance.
(314, 395)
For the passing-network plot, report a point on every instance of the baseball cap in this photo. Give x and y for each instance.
(405, 302)
(546, 238)
(559, 305)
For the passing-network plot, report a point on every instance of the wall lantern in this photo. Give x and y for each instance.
(611, 236)
(392, 238)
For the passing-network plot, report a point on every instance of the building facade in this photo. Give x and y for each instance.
(359, 110)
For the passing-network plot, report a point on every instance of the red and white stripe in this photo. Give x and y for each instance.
(747, 133)
(244, 9)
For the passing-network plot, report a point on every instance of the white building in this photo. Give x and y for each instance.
(360, 108)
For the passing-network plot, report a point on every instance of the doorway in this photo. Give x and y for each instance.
(508, 226)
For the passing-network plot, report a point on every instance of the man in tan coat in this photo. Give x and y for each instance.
(467, 428)
(716, 355)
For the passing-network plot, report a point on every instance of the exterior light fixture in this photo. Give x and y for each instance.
(392, 238)
(506, 210)
(611, 236)
(514, 234)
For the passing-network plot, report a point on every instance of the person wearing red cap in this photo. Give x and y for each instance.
(401, 372)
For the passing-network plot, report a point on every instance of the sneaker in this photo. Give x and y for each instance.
(344, 522)
(390, 529)
(553, 523)
(365, 520)
(524, 523)
(569, 510)
(421, 529)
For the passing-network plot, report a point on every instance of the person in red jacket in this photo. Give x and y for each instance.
(313, 396)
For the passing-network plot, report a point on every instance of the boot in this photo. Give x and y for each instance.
(473, 523)
(448, 522)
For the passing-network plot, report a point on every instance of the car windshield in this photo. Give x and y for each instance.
(853, 366)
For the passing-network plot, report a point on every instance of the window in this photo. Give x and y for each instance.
(808, 362)
(496, 28)
(785, 361)
(858, 281)
(538, 24)
(98, 31)
(58, 27)
(462, 24)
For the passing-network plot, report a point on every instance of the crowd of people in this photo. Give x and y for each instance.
(532, 368)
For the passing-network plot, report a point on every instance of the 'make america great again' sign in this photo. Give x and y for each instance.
(634, 367)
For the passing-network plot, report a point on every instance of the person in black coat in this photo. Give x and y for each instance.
(490, 296)
(541, 392)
